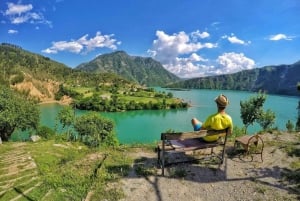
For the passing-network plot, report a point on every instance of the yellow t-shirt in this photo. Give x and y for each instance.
(217, 122)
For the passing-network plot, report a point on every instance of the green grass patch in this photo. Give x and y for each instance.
(72, 170)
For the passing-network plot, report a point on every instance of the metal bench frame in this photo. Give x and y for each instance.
(190, 142)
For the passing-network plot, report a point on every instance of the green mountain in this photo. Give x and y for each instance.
(144, 71)
(281, 79)
(40, 77)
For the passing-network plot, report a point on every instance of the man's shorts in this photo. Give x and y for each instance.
(197, 127)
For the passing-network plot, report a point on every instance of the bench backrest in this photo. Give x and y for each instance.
(193, 134)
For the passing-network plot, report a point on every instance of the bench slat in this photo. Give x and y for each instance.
(190, 135)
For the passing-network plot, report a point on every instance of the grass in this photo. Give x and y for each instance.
(178, 172)
(65, 171)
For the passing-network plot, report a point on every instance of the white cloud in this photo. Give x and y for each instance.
(280, 37)
(21, 13)
(233, 62)
(197, 34)
(83, 44)
(178, 52)
(181, 54)
(11, 31)
(17, 9)
(235, 40)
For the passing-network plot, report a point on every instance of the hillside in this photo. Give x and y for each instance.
(40, 77)
(144, 71)
(282, 79)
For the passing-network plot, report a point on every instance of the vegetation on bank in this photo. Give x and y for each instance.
(16, 112)
(115, 98)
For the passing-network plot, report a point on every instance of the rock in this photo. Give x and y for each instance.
(35, 138)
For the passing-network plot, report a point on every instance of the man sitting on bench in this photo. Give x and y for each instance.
(218, 121)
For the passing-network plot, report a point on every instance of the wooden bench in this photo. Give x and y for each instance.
(189, 141)
(252, 144)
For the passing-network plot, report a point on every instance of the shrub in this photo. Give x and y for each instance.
(45, 132)
(289, 126)
(95, 130)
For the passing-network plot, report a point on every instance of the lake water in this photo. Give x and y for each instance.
(145, 126)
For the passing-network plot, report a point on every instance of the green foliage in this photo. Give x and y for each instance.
(130, 99)
(66, 117)
(17, 78)
(66, 91)
(289, 126)
(16, 113)
(237, 132)
(95, 130)
(45, 132)
(265, 78)
(252, 109)
(267, 119)
(298, 119)
(144, 71)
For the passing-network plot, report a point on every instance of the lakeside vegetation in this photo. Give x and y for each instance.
(116, 98)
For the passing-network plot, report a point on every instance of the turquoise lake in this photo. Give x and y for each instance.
(145, 126)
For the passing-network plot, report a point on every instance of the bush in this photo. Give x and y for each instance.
(237, 132)
(45, 132)
(17, 79)
(289, 126)
(95, 130)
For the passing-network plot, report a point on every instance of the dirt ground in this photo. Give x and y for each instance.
(239, 178)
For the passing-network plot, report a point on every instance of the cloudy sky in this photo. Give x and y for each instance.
(191, 38)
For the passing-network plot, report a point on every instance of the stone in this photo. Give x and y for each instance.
(35, 138)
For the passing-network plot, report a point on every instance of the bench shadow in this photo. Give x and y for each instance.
(205, 170)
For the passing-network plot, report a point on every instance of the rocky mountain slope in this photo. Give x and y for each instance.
(282, 79)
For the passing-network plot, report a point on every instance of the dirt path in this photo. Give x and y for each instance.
(238, 179)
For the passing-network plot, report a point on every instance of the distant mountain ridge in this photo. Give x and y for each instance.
(143, 70)
(40, 75)
(281, 79)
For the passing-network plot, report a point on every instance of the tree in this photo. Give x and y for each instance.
(298, 108)
(267, 119)
(16, 112)
(252, 109)
(95, 130)
(66, 117)
(289, 126)
(298, 119)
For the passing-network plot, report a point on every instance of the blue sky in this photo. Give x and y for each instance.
(191, 38)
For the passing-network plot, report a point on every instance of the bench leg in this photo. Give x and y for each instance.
(158, 155)
(163, 164)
